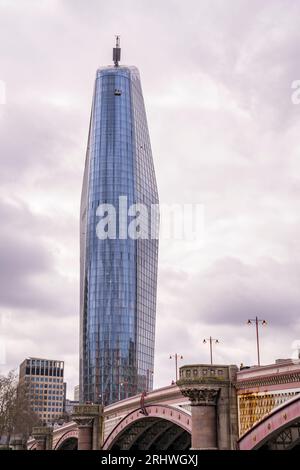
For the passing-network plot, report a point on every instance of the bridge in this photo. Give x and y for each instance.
(160, 419)
(210, 407)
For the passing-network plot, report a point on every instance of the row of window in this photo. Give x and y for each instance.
(44, 363)
(55, 409)
(49, 404)
(43, 379)
(38, 398)
(46, 385)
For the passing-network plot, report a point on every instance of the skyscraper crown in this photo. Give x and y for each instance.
(117, 52)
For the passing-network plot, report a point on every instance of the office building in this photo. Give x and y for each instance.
(44, 381)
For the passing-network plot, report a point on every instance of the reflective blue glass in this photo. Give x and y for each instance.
(118, 277)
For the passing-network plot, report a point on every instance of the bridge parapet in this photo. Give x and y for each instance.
(206, 374)
(87, 410)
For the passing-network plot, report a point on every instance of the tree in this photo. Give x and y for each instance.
(16, 415)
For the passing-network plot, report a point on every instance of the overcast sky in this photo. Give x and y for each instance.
(216, 78)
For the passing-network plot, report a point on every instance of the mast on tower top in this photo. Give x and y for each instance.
(117, 52)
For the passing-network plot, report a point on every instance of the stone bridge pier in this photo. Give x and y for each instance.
(43, 437)
(212, 394)
(89, 419)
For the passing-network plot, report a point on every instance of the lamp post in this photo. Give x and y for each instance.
(148, 379)
(176, 357)
(124, 386)
(211, 340)
(100, 399)
(257, 321)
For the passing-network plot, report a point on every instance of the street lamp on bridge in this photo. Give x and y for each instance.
(123, 387)
(176, 357)
(211, 340)
(257, 321)
(149, 379)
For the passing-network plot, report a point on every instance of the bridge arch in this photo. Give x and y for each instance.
(150, 427)
(32, 446)
(279, 430)
(68, 441)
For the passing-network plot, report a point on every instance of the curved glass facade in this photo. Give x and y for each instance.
(118, 276)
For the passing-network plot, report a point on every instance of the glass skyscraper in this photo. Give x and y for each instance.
(118, 275)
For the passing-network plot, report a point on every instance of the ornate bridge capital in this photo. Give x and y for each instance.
(84, 415)
(201, 396)
(83, 422)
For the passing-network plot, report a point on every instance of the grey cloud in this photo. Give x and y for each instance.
(28, 278)
(239, 159)
(230, 292)
(32, 139)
